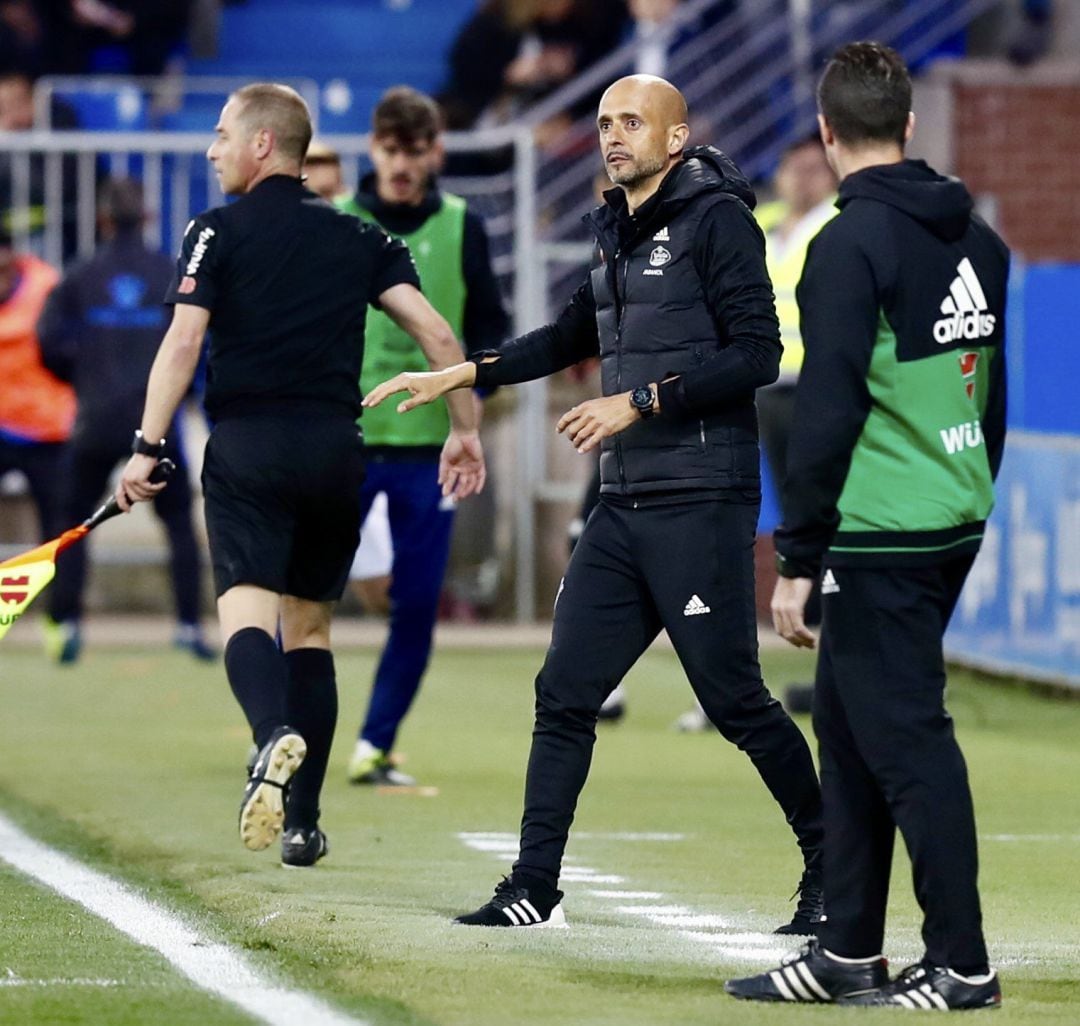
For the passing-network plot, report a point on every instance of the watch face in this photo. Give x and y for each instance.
(642, 398)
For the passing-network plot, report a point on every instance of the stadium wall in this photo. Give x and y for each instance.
(1012, 136)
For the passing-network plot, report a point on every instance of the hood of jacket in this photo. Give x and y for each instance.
(703, 169)
(398, 218)
(939, 202)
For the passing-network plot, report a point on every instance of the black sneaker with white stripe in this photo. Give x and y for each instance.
(519, 900)
(931, 988)
(813, 976)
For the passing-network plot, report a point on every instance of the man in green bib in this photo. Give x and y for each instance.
(450, 248)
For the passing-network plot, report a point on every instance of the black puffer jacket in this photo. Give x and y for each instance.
(679, 294)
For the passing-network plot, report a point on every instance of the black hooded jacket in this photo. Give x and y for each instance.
(678, 294)
(900, 411)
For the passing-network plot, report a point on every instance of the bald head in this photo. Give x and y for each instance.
(643, 131)
(648, 91)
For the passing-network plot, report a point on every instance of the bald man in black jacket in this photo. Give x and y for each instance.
(679, 308)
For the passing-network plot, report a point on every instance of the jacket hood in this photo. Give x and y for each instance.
(939, 202)
(707, 169)
(399, 218)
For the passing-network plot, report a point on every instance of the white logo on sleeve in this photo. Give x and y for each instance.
(199, 251)
(695, 607)
(965, 308)
(828, 584)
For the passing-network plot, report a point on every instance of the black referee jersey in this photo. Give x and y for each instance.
(287, 279)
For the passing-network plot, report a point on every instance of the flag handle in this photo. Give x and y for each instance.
(110, 509)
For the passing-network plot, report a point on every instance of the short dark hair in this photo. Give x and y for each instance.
(865, 94)
(408, 115)
(810, 141)
(121, 201)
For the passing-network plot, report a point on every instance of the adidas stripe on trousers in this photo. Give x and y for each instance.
(890, 760)
(686, 566)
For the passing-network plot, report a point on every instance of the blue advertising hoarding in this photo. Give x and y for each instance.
(1020, 609)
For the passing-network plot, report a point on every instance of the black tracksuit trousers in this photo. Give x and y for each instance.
(889, 759)
(686, 566)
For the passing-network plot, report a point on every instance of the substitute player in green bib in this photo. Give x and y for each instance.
(450, 248)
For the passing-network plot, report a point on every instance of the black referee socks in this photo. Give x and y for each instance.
(311, 707)
(259, 678)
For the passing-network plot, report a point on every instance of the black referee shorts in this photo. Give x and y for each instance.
(282, 503)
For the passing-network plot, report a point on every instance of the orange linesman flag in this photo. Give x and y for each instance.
(22, 577)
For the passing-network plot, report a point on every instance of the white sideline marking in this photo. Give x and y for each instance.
(735, 948)
(469, 836)
(210, 965)
(699, 927)
(1029, 837)
(628, 895)
(11, 980)
(490, 844)
(669, 838)
(583, 874)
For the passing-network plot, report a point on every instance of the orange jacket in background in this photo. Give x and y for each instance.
(34, 404)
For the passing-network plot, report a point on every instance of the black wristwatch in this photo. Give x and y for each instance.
(642, 399)
(141, 447)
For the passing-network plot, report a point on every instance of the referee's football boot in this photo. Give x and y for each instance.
(929, 988)
(519, 900)
(372, 766)
(812, 975)
(262, 809)
(302, 847)
(810, 910)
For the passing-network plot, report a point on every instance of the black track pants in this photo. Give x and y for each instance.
(687, 567)
(889, 759)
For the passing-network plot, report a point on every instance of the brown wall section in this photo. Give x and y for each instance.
(1020, 143)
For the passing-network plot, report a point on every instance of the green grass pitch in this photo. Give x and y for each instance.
(133, 762)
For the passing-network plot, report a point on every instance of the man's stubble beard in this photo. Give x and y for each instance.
(631, 175)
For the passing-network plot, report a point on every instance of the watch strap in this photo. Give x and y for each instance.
(141, 447)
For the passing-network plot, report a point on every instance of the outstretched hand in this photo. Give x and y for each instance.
(423, 386)
(462, 471)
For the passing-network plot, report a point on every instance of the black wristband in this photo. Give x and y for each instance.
(484, 365)
(141, 447)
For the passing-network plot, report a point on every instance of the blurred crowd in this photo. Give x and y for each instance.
(507, 55)
(73, 37)
(511, 53)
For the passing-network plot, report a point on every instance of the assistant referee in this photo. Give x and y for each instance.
(283, 280)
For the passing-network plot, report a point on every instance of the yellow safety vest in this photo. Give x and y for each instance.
(784, 261)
